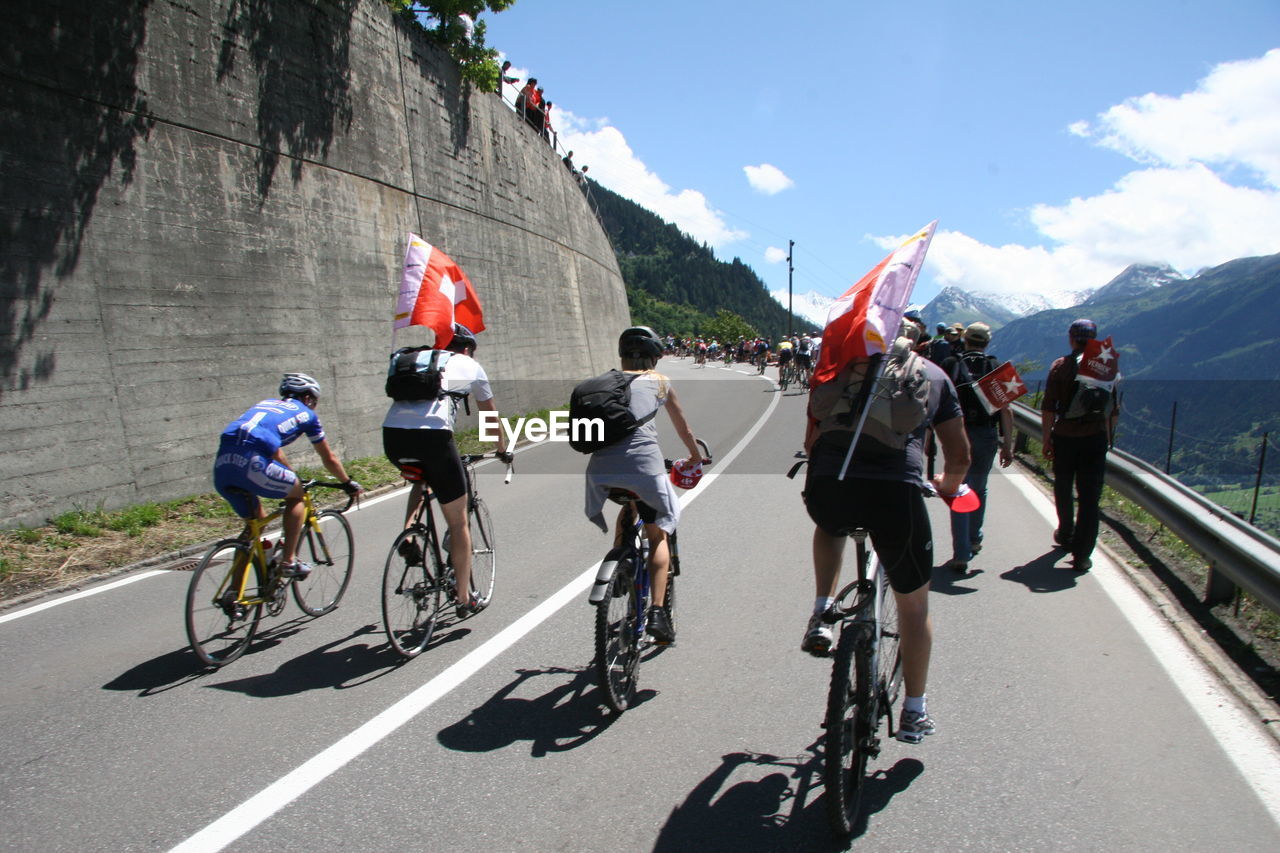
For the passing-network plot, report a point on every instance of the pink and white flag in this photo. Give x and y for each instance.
(864, 321)
(436, 293)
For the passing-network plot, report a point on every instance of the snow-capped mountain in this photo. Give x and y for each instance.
(811, 306)
(1136, 280)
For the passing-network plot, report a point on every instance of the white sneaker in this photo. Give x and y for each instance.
(817, 637)
(914, 725)
(297, 569)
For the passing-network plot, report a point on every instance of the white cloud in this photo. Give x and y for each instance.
(602, 147)
(767, 179)
(1232, 119)
(1182, 208)
(774, 255)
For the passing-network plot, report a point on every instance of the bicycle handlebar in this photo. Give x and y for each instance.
(332, 484)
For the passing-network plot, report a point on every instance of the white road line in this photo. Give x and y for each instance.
(290, 787)
(36, 608)
(1254, 754)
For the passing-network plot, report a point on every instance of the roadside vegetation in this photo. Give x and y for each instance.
(86, 542)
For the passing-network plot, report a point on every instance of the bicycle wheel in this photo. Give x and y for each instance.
(329, 547)
(783, 378)
(219, 627)
(889, 656)
(672, 574)
(618, 638)
(484, 560)
(411, 592)
(851, 721)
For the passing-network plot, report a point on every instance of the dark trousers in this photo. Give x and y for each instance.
(1079, 465)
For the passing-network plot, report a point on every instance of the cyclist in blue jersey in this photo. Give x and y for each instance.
(251, 461)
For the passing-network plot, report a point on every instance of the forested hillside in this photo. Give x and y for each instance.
(674, 283)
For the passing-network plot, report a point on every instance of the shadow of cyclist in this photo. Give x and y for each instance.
(778, 811)
(1041, 575)
(559, 719)
(336, 666)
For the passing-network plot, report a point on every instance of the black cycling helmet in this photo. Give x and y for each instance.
(297, 384)
(462, 337)
(639, 342)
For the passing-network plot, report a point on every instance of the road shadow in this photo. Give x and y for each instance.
(338, 665)
(559, 719)
(948, 581)
(178, 667)
(1041, 575)
(159, 674)
(786, 809)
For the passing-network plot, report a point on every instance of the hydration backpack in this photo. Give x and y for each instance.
(605, 398)
(417, 373)
(899, 401)
(969, 367)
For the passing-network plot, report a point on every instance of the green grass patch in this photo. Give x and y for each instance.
(78, 522)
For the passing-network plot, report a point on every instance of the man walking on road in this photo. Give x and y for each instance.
(1076, 441)
(986, 433)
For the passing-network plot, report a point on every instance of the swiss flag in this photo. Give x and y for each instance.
(1099, 363)
(1000, 387)
(864, 321)
(436, 293)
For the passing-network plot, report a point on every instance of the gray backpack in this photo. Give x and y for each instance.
(899, 401)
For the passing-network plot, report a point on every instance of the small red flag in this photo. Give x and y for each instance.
(1000, 387)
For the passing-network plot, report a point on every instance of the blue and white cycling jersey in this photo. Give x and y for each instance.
(270, 425)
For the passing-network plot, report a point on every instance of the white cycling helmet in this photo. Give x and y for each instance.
(297, 384)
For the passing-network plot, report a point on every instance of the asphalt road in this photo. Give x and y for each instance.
(1070, 717)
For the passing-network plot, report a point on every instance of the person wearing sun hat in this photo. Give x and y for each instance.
(984, 431)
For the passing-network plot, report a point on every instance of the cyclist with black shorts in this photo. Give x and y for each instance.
(417, 436)
(804, 358)
(636, 464)
(251, 461)
(883, 492)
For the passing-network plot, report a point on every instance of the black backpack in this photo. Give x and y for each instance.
(1087, 402)
(606, 398)
(968, 368)
(416, 373)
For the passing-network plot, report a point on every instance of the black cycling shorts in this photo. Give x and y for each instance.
(893, 512)
(429, 455)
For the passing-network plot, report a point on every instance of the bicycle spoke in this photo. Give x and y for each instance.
(329, 548)
(411, 594)
(220, 625)
(617, 640)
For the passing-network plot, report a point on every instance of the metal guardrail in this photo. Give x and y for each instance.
(1235, 549)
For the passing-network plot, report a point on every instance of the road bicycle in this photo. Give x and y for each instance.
(866, 682)
(419, 577)
(621, 595)
(786, 375)
(237, 579)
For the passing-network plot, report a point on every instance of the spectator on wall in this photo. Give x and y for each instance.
(503, 79)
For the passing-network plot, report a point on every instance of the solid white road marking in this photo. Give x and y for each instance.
(1253, 753)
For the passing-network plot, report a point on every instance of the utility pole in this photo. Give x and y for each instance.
(791, 245)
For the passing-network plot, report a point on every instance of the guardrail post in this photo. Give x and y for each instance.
(1219, 589)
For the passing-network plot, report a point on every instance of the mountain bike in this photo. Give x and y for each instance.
(238, 578)
(866, 681)
(418, 579)
(621, 596)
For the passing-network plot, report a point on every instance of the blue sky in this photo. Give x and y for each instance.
(1055, 143)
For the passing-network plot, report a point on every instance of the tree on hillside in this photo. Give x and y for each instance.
(456, 25)
(727, 326)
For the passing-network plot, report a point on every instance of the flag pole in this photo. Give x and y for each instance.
(871, 381)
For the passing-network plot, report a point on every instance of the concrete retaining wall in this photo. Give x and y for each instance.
(195, 197)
